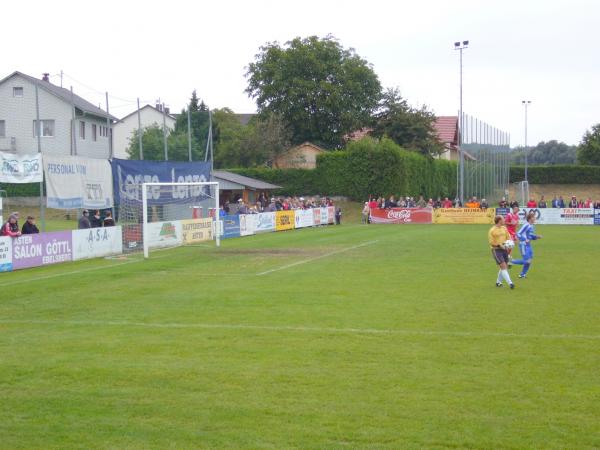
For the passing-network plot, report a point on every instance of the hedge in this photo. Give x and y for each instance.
(21, 190)
(366, 167)
(559, 174)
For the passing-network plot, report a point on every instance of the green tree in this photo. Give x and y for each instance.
(320, 89)
(199, 119)
(588, 152)
(409, 127)
(551, 152)
(152, 142)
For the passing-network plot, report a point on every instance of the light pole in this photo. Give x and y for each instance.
(461, 161)
(526, 103)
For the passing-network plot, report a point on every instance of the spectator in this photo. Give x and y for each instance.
(457, 203)
(338, 216)
(365, 213)
(555, 202)
(272, 206)
(561, 202)
(95, 221)
(242, 208)
(514, 203)
(11, 227)
(588, 203)
(438, 203)
(84, 221)
(597, 205)
(391, 203)
(108, 220)
(503, 203)
(580, 204)
(430, 203)
(421, 202)
(531, 203)
(372, 203)
(484, 204)
(410, 202)
(447, 203)
(542, 202)
(29, 227)
(573, 203)
(226, 207)
(473, 203)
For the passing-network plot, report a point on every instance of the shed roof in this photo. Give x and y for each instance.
(248, 182)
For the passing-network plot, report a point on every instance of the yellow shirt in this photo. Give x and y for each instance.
(498, 236)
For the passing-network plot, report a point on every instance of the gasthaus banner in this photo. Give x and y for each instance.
(21, 168)
(560, 216)
(74, 182)
(97, 242)
(129, 175)
(463, 216)
(401, 215)
(197, 230)
(31, 250)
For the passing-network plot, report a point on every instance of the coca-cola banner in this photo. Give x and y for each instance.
(401, 215)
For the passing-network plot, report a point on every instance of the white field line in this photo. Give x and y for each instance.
(301, 329)
(304, 261)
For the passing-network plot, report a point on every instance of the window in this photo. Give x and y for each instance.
(47, 128)
(94, 137)
(2, 128)
(18, 91)
(82, 129)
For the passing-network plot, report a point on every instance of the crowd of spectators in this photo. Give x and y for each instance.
(96, 221)
(474, 202)
(11, 226)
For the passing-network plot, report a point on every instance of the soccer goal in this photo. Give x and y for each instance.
(522, 192)
(162, 215)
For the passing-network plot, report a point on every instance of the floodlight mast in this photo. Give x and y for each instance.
(460, 46)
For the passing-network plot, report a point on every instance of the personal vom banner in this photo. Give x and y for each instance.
(74, 182)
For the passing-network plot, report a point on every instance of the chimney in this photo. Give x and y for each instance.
(167, 110)
(46, 77)
(159, 107)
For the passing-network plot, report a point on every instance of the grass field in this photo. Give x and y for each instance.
(339, 337)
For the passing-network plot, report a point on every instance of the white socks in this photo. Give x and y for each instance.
(506, 276)
(499, 280)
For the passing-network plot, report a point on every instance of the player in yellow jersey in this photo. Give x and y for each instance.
(497, 236)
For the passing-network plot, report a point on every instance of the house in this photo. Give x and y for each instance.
(446, 128)
(233, 187)
(70, 125)
(149, 115)
(303, 156)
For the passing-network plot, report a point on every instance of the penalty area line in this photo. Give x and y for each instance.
(304, 261)
(302, 329)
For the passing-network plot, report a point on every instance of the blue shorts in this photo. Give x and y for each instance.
(526, 250)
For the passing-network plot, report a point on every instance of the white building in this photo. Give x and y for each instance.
(124, 129)
(70, 124)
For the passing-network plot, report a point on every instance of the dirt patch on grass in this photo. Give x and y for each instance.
(269, 251)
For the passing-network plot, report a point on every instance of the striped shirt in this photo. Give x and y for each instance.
(526, 233)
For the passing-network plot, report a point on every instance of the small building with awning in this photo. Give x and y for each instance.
(233, 186)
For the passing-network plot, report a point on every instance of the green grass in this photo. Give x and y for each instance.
(403, 342)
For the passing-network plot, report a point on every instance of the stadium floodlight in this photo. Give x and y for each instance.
(526, 103)
(168, 209)
(461, 161)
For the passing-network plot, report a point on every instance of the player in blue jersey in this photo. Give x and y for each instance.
(526, 234)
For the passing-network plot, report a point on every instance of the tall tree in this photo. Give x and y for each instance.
(411, 128)
(588, 152)
(551, 152)
(320, 89)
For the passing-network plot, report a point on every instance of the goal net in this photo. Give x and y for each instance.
(522, 192)
(160, 215)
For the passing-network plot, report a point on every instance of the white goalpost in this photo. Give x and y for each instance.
(162, 215)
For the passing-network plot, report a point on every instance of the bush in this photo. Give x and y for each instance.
(21, 190)
(563, 174)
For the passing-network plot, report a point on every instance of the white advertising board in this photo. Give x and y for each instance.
(248, 223)
(304, 218)
(97, 242)
(560, 216)
(164, 234)
(6, 254)
(265, 222)
(324, 216)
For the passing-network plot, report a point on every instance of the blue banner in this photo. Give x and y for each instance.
(231, 226)
(128, 175)
(502, 211)
(597, 217)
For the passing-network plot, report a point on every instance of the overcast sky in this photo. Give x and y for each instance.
(544, 51)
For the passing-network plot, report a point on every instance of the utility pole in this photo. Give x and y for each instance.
(110, 149)
(461, 162)
(189, 133)
(140, 131)
(165, 132)
(526, 103)
(73, 125)
(39, 130)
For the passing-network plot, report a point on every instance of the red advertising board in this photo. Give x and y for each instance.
(401, 215)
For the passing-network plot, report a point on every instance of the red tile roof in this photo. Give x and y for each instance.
(446, 128)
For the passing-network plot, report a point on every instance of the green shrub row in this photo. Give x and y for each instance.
(560, 174)
(21, 190)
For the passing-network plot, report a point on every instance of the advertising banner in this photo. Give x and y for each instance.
(74, 182)
(97, 242)
(1, 213)
(265, 222)
(164, 234)
(284, 220)
(317, 216)
(324, 216)
(197, 230)
(401, 215)
(31, 250)
(560, 216)
(502, 211)
(304, 218)
(330, 215)
(21, 168)
(597, 217)
(6, 254)
(128, 175)
(248, 224)
(464, 216)
(231, 226)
